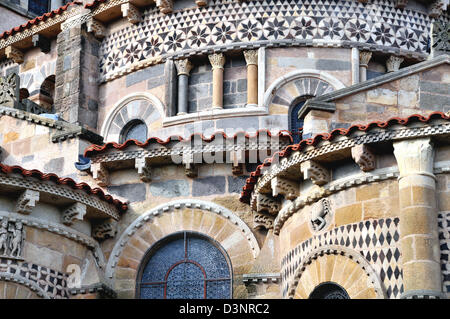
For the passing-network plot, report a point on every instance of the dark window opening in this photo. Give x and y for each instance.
(47, 93)
(295, 124)
(38, 7)
(185, 265)
(134, 130)
(329, 290)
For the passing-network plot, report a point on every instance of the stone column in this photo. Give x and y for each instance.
(393, 63)
(217, 61)
(183, 68)
(364, 58)
(419, 241)
(251, 58)
(355, 65)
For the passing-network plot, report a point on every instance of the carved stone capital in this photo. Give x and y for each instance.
(96, 27)
(265, 203)
(393, 63)
(183, 66)
(414, 156)
(251, 57)
(104, 230)
(282, 186)
(400, 4)
(131, 12)
(435, 9)
(364, 58)
(75, 211)
(201, 3)
(217, 60)
(100, 174)
(262, 221)
(14, 54)
(27, 200)
(165, 6)
(41, 42)
(143, 169)
(318, 174)
(364, 157)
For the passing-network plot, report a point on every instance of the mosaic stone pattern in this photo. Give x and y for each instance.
(376, 240)
(444, 241)
(378, 26)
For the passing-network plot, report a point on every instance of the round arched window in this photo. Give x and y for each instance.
(185, 265)
(296, 125)
(329, 290)
(134, 130)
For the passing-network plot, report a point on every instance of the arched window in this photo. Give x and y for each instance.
(296, 125)
(23, 94)
(134, 130)
(185, 265)
(329, 290)
(47, 92)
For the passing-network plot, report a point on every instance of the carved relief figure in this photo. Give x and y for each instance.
(11, 239)
(4, 237)
(16, 242)
(318, 214)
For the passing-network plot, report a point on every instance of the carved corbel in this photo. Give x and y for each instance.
(435, 9)
(267, 203)
(401, 4)
(262, 221)
(130, 12)
(201, 3)
(75, 211)
(14, 54)
(96, 27)
(285, 187)
(165, 6)
(100, 174)
(104, 230)
(237, 159)
(190, 169)
(364, 157)
(318, 174)
(41, 42)
(363, 1)
(27, 200)
(143, 169)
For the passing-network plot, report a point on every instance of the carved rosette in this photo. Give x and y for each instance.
(165, 6)
(106, 229)
(318, 174)
(364, 157)
(282, 186)
(265, 203)
(393, 63)
(251, 57)
(143, 168)
(130, 12)
(217, 60)
(14, 54)
(364, 58)
(183, 66)
(262, 221)
(26, 202)
(75, 211)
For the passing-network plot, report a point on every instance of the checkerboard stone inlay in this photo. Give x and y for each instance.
(378, 26)
(444, 241)
(376, 240)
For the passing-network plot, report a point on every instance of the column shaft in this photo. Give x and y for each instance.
(217, 61)
(182, 94)
(251, 58)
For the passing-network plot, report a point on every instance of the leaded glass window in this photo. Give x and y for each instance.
(186, 265)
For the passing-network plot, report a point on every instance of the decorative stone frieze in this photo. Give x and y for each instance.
(393, 63)
(75, 211)
(12, 236)
(401, 4)
(320, 214)
(143, 168)
(261, 220)
(266, 203)
(26, 202)
(318, 174)
(96, 27)
(41, 42)
(165, 6)
(131, 12)
(282, 186)
(364, 157)
(104, 230)
(100, 174)
(9, 90)
(14, 54)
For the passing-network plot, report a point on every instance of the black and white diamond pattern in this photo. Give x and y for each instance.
(444, 241)
(376, 240)
(268, 20)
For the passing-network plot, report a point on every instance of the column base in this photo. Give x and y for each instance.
(181, 113)
(217, 108)
(251, 105)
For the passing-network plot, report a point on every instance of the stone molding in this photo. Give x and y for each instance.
(167, 207)
(33, 286)
(99, 288)
(337, 250)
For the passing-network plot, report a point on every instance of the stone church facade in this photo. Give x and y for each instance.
(226, 149)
